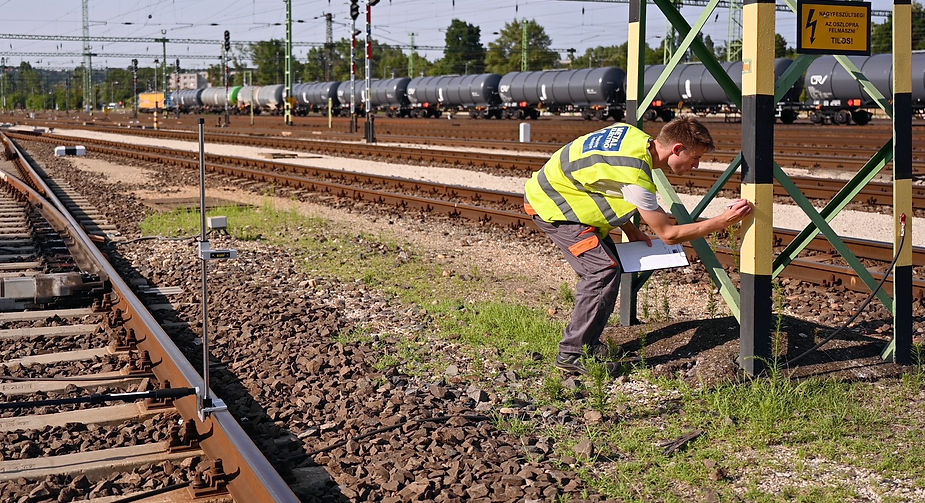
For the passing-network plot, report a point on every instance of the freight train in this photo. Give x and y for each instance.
(593, 93)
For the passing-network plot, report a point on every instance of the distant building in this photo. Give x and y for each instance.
(187, 81)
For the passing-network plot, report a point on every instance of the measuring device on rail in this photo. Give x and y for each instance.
(207, 405)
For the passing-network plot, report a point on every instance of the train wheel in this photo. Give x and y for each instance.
(517, 114)
(816, 117)
(617, 115)
(473, 114)
(843, 117)
(667, 115)
(586, 115)
(650, 115)
(598, 115)
(788, 116)
(861, 117)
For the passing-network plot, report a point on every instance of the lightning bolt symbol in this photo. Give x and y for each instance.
(811, 23)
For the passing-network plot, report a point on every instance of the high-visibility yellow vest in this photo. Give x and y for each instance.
(567, 188)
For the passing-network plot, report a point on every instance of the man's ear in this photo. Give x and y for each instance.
(677, 148)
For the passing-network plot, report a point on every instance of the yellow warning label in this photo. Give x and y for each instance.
(831, 27)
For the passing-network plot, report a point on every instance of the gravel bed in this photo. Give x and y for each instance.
(98, 364)
(53, 321)
(78, 437)
(65, 489)
(42, 345)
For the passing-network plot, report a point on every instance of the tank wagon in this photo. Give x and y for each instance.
(593, 92)
(186, 100)
(692, 85)
(270, 98)
(246, 97)
(391, 96)
(344, 91)
(475, 94)
(316, 97)
(214, 99)
(837, 98)
(426, 95)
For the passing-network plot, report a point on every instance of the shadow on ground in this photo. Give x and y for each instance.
(705, 352)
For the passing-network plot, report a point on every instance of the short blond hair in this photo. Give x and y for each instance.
(688, 131)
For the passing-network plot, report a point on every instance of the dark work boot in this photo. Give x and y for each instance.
(571, 363)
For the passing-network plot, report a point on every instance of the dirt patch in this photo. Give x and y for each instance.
(124, 173)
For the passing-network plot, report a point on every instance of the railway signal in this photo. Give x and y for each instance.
(225, 48)
(354, 9)
(135, 87)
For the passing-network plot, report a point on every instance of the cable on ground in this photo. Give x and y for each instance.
(873, 293)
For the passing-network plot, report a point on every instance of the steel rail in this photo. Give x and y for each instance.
(875, 193)
(804, 269)
(253, 479)
(265, 170)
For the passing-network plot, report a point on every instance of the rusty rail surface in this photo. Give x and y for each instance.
(253, 479)
(336, 182)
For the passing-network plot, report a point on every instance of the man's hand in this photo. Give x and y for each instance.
(634, 234)
(736, 211)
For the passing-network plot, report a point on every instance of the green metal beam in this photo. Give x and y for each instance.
(821, 223)
(727, 289)
(706, 56)
(868, 86)
(838, 202)
(717, 186)
(793, 72)
(678, 54)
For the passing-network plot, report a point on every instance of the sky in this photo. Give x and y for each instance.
(569, 24)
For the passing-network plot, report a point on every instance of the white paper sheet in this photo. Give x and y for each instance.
(637, 256)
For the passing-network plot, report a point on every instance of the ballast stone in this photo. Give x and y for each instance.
(79, 150)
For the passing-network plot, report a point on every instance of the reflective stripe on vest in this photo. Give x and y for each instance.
(557, 192)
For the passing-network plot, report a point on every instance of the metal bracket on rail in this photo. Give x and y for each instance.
(209, 405)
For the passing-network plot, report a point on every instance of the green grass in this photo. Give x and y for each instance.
(746, 427)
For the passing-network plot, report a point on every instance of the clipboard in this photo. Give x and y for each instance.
(637, 256)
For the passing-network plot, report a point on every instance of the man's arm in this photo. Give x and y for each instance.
(672, 233)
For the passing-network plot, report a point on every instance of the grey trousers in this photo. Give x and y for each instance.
(595, 261)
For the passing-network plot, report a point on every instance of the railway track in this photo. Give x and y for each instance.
(798, 145)
(77, 343)
(495, 207)
(874, 193)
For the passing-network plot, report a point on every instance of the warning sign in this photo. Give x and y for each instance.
(831, 27)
